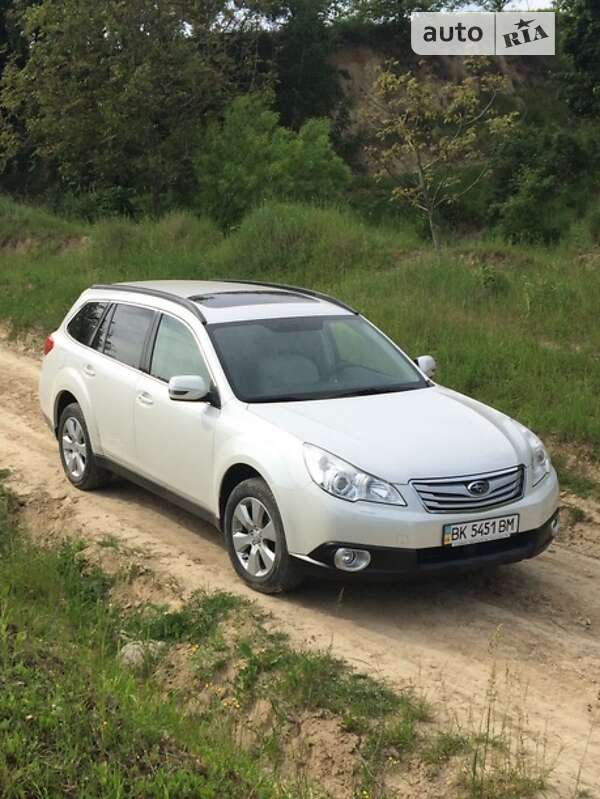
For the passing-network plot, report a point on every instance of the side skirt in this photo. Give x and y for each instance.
(160, 490)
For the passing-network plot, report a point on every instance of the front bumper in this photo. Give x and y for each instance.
(312, 518)
(387, 562)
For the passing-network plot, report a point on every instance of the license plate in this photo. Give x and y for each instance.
(462, 533)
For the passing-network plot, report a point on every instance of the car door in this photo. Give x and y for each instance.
(175, 440)
(112, 379)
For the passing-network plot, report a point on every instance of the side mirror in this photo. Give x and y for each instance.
(427, 365)
(188, 388)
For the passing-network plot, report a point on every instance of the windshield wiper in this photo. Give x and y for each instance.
(284, 398)
(359, 392)
(365, 392)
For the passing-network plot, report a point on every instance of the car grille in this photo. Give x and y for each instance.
(449, 496)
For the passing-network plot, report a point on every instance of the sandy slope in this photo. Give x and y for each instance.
(530, 632)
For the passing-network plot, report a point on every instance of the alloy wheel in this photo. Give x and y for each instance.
(74, 448)
(254, 538)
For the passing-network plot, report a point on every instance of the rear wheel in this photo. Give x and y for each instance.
(76, 454)
(256, 539)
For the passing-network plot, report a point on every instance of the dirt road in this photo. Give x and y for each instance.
(530, 632)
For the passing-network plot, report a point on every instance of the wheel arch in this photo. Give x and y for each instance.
(235, 474)
(72, 389)
(63, 398)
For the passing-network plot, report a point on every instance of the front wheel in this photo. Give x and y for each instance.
(256, 539)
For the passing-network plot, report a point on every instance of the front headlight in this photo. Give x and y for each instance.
(540, 460)
(343, 480)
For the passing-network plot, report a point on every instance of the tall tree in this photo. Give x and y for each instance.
(427, 132)
(580, 46)
(12, 43)
(301, 43)
(115, 93)
(394, 11)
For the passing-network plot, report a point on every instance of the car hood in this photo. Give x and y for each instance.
(431, 432)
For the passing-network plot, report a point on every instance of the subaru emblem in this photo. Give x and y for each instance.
(478, 487)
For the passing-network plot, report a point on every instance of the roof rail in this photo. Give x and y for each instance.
(308, 292)
(163, 295)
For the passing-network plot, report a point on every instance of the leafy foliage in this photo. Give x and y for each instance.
(250, 157)
(307, 83)
(425, 129)
(580, 43)
(384, 11)
(542, 181)
(113, 95)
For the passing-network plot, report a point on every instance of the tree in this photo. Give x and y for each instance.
(427, 132)
(485, 5)
(495, 5)
(11, 40)
(392, 11)
(249, 157)
(116, 93)
(580, 46)
(298, 46)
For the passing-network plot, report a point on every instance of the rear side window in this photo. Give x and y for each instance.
(85, 322)
(127, 333)
(100, 334)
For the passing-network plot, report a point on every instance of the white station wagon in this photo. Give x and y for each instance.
(296, 427)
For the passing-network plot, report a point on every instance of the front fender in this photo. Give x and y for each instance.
(277, 456)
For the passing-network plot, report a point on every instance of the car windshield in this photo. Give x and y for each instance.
(310, 358)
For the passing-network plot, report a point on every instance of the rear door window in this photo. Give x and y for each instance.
(126, 334)
(85, 322)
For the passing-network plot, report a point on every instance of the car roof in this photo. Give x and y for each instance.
(222, 301)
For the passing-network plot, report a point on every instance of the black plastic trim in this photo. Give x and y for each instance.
(105, 313)
(156, 488)
(185, 302)
(149, 344)
(98, 339)
(319, 295)
(391, 562)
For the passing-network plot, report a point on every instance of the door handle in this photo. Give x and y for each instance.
(145, 399)
(89, 370)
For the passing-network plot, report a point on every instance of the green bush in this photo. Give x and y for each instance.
(541, 182)
(92, 205)
(250, 157)
(522, 218)
(292, 242)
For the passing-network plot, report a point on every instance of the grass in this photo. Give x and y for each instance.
(72, 721)
(514, 326)
(26, 229)
(572, 479)
(75, 722)
(445, 745)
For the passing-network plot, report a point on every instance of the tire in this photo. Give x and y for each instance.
(256, 539)
(76, 454)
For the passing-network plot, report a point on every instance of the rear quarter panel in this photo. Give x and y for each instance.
(62, 371)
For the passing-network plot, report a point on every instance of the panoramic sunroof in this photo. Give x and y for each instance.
(232, 299)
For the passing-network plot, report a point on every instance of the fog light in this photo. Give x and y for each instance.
(555, 525)
(351, 560)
